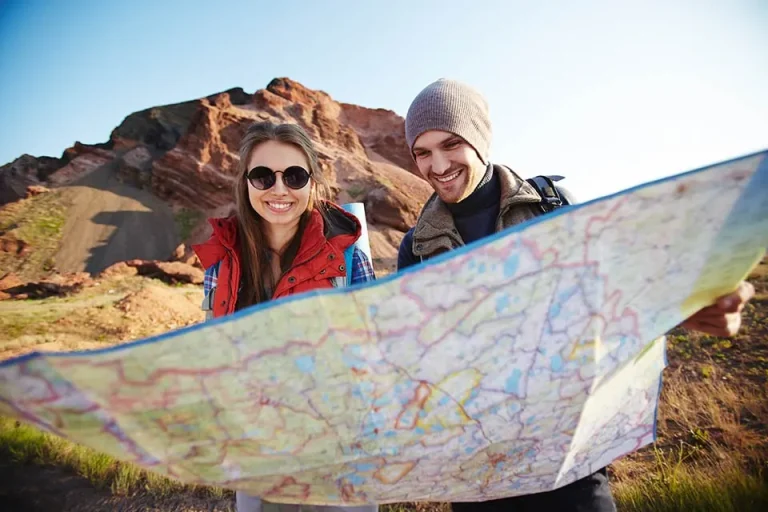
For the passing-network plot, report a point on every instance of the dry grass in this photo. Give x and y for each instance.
(760, 279)
(113, 311)
(673, 483)
(38, 223)
(187, 220)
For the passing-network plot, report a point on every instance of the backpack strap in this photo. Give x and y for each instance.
(550, 197)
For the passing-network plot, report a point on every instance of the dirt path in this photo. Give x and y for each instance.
(110, 221)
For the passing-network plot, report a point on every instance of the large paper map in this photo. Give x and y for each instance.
(512, 366)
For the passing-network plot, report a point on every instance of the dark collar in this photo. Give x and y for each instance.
(487, 193)
(435, 228)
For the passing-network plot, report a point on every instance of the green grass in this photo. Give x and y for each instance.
(24, 443)
(36, 320)
(357, 190)
(675, 485)
(759, 279)
(186, 220)
(32, 317)
(15, 326)
(383, 180)
(38, 222)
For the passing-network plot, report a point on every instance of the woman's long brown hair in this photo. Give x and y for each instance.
(257, 282)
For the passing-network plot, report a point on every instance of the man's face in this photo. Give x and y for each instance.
(449, 164)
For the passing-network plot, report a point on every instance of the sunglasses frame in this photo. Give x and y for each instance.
(274, 177)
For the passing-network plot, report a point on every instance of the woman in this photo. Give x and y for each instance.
(285, 237)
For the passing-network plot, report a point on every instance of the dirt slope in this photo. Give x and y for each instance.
(110, 221)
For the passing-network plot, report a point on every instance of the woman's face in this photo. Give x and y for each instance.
(279, 205)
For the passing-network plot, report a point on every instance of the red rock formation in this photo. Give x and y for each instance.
(185, 254)
(382, 133)
(7, 282)
(135, 166)
(362, 152)
(82, 160)
(36, 190)
(10, 280)
(54, 286)
(120, 270)
(25, 171)
(168, 271)
(10, 244)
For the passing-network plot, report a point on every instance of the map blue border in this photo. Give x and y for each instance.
(761, 168)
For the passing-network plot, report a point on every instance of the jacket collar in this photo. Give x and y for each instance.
(435, 230)
(338, 228)
(222, 240)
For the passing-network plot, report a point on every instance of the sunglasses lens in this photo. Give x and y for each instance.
(261, 178)
(295, 177)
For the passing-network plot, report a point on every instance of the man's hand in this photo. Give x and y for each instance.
(723, 318)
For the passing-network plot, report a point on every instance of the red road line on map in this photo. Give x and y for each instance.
(472, 309)
(612, 300)
(539, 253)
(22, 413)
(290, 481)
(25, 371)
(113, 429)
(603, 218)
(61, 426)
(226, 444)
(532, 246)
(156, 375)
(420, 396)
(318, 415)
(403, 371)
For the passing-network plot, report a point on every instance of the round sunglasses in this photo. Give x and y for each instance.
(263, 178)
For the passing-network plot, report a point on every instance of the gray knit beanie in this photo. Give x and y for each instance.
(454, 107)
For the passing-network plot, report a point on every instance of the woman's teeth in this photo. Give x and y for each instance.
(279, 206)
(447, 178)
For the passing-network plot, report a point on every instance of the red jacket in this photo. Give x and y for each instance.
(320, 256)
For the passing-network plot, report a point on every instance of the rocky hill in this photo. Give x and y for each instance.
(164, 169)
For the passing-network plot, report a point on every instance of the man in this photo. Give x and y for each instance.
(448, 131)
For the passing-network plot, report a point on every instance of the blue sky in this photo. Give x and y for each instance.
(609, 94)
